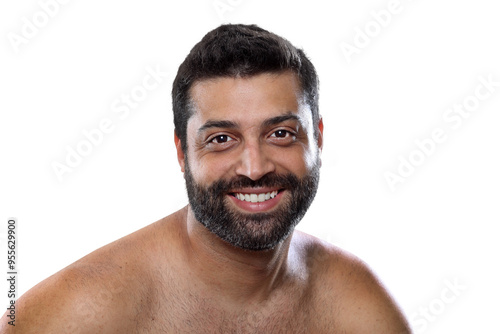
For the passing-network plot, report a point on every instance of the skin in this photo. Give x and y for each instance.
(174, 276)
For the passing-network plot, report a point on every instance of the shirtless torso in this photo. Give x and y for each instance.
(147, 282)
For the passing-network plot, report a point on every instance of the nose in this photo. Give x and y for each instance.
(254, 162)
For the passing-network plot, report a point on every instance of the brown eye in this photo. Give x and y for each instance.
(283, 134)
(280, 134)
(282, 137)
(221, 139)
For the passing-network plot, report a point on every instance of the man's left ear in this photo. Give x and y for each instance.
(320, 134)
(320, 138)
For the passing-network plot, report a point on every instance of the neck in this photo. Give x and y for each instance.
(232, 272)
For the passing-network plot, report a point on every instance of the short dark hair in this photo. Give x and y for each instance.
(237, 50)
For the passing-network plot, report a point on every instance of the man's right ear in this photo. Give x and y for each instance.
(180, 153)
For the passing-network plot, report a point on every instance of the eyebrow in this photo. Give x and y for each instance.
(217, 124)
(280, 119)
(232, 125)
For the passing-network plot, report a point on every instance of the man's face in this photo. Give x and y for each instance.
(252, 162)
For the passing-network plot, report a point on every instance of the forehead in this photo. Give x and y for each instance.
(246, 100)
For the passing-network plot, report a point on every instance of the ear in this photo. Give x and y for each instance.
(320, 134)
(180, 153)
(320, 139)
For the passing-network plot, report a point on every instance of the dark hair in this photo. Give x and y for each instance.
(236, 50)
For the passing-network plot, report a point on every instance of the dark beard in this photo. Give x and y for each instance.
(259, 231)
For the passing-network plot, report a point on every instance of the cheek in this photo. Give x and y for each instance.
(311, 158)
(208, 169)
(296, 160)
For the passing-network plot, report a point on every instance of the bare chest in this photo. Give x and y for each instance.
(224, 322)
(191, 313)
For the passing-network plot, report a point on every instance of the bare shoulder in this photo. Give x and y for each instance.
(104, 292)
(346, 293)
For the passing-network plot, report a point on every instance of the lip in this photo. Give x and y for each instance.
(257, 207)
(261, 190)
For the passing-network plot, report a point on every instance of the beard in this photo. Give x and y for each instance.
(252, 231)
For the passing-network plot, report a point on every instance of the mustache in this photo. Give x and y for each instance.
(284, 181)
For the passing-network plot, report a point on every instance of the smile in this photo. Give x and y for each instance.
(256, 198)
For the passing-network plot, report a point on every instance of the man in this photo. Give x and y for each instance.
(249, 138)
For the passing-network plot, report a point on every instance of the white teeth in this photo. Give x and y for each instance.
(253, 198)
(256, 198)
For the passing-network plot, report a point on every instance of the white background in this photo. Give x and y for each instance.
(439, 226)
